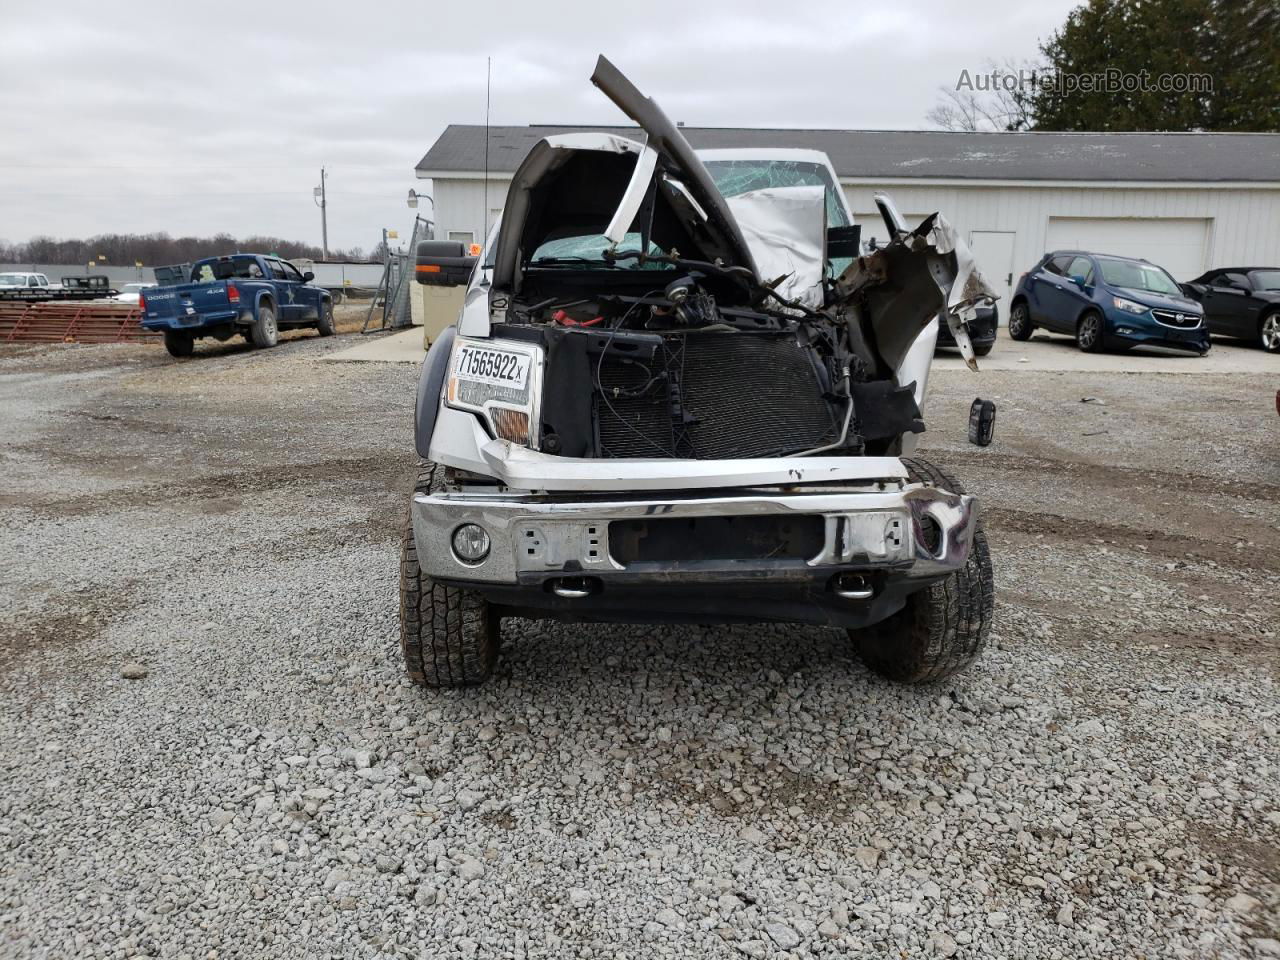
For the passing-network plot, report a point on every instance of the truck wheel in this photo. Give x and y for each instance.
(981, 350)
(325, 325)
(179, 343)
(264, 332)
(449, 636)
(942, 628)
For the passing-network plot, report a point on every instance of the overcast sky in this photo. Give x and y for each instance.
(193, 119)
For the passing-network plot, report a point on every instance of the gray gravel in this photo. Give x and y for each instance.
(207, 748)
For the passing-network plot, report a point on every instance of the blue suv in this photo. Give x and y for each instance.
(1106, 301)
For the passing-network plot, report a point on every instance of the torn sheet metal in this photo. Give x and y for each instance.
(916, 277)
(785, 228)
(969, 288)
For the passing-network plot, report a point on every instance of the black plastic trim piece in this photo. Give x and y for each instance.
(430, 384)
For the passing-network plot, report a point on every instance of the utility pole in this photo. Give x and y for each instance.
(319, 194)
(386, 278)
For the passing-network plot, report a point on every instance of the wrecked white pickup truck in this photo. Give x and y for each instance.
(676, 393)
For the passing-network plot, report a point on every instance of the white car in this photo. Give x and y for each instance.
(31, 281)
(676, 393)
(132, 292)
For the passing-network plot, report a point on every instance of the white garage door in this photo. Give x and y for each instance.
(1178, 245)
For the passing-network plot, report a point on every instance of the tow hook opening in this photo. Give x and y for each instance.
(852, 586)
(574, 588)
(930, 536)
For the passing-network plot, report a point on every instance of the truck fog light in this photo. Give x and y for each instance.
(470, 543)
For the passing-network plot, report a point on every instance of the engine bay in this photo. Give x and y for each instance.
(672, 373)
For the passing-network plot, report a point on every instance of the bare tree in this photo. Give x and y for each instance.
(153, 248)
(995, 99)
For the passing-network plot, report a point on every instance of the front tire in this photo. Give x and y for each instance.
(325, 325)
(265, 332)
(981, 350)
(942, 629)
(1020, 325)
(179, 343)
(449, 637)
(1269, 332)
(1089, 334)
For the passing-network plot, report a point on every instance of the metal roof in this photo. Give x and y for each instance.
(927, 154)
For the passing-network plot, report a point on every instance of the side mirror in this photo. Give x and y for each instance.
(845, 242)
(1078, 281)
(308, 276)
(444, 263)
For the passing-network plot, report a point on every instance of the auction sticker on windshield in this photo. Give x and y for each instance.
(485, 365)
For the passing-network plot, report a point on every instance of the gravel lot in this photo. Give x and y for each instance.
(1105, 783)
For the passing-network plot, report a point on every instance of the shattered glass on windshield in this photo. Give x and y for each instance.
(735, 177)
(588, 251)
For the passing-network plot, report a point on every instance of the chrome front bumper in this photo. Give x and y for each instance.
(536, 537)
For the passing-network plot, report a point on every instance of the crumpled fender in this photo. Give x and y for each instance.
(917, 276)
(969, 289)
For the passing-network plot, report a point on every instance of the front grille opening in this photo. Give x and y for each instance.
(1170, 318)
(711, 539)
(713, 397)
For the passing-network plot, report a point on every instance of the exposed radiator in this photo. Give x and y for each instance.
(714, 396)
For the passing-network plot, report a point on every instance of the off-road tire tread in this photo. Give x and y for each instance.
(942, 629)
(449, 637)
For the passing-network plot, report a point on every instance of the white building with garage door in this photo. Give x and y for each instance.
(1186, 201)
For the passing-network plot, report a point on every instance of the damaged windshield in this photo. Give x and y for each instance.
(735, 177)
(589, 251)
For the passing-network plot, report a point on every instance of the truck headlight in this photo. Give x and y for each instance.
(1129, 306)
(502, 381)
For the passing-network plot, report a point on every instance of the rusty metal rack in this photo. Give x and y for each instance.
(61, 322)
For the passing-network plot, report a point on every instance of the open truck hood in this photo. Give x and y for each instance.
(667, 140)
(600, 185)
(665, 161)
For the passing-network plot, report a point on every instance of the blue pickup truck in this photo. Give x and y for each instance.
(247, 294)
